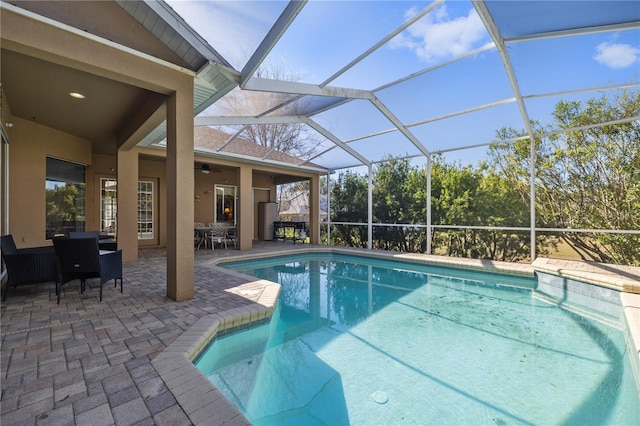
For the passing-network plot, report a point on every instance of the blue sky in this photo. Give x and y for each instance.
(327, 35)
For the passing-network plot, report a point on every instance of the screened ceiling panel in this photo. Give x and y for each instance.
(354, 119)
(307, 105)
(336, 159)
(550, 65)
(425, 44)
(322, 145)
(218, 22)
(376, 78)
(542, 109)
(526, 18)
(476, 127)
(376, 148)
(327, 35)
(247, 103)
(437, 93)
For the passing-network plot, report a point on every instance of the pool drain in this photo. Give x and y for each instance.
(380, 397)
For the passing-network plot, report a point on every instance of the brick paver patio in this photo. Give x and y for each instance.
(89, 363)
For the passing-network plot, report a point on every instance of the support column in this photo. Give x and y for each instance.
(532, 197)
(328, 209)
(127, 234)
(370, 209)
(314, 209)
(429, 229)
(180, 187)
(245, 208)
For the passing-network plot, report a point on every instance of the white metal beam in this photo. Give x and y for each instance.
(583, 90)
(577, 31)
(333, 138)
(494, 32)
(247, 121)
(285, 19)
(231, 138)
(488, 46)
(401, 127)
(296, 88)
(379, 44)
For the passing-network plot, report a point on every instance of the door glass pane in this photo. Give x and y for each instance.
(108, 206)
(225, 204)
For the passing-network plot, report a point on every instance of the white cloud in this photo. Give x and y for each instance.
(616, 56)
(438, 36)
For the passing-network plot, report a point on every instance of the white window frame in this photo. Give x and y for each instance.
(225, 189)
(112, 215)
(146, 210)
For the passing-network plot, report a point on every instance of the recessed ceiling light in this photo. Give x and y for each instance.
(76, 95)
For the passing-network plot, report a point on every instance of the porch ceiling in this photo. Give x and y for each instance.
(38, 88)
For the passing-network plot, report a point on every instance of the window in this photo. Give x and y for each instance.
(108, 206)
(145, 210)
(225, 204)
(65, 197)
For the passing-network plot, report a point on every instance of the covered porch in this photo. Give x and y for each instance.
(115, 107)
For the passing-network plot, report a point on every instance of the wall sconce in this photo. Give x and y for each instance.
(8, 124)
(196, 198)
(207, 192)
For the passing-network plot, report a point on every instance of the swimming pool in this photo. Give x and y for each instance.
(362, 341)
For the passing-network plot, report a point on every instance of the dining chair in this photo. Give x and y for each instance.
(81, 259)
(218, 235)
(232, 235)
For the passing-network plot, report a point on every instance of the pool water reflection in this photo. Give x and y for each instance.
(361, 341)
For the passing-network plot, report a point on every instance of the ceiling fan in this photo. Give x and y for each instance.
(206, 169)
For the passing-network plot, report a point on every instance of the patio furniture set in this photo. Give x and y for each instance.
(214, 233)
(82, 256)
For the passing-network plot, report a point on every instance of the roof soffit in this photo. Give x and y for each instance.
(107, 20)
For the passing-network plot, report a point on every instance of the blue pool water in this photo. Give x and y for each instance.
(370, 342)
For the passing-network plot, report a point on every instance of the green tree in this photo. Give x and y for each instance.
(585, 179)
(64, 207)
(349, 203)
(477, 196)
(399, 198)
(460, 196)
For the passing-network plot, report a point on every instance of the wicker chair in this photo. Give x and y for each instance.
(27, 265)
(232, 235)
(81, 259)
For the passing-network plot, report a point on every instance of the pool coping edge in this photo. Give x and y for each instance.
(201, 401)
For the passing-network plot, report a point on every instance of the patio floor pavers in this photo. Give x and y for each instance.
(85, 362)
